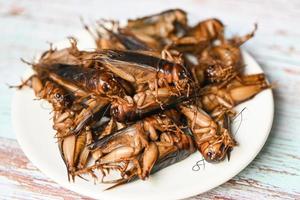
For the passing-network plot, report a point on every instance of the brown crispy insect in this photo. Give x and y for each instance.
(217, 73)
(96, 81)
(124, 143)
(59, 98)
(200, 36)
(212, 141)
(144, 104)
(159, 29)
(234, 92)
(153, 91)
(227, 53)
(139, 68)
(218, 147)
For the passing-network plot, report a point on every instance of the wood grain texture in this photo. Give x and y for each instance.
(19, 177)
(27, 26)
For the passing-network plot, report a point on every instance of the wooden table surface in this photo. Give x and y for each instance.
(27, 26)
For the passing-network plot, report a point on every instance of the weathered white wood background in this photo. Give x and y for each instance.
(27, 25)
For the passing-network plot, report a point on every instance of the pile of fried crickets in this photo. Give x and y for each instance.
(150, 94)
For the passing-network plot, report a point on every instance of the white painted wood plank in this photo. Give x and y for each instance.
(26, 26)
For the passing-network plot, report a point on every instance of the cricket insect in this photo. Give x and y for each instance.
(153, 92)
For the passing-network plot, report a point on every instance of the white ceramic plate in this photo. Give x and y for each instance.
(32, 124)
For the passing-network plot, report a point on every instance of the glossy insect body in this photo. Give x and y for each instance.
(130, 42)
(212, 140)
(234, 92)
(46, 89)
(227, 53)
(140, 68)
(172, 73)
(74, 151)
(92, 80)
(216, 149)
(210, 29)
(217, 73)
(168, 154)
(56, 96)
(159, 29)
(200, 36)
(144, 104)
(134, 144)
(124, 146)
(114, 37)
(201, 124)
